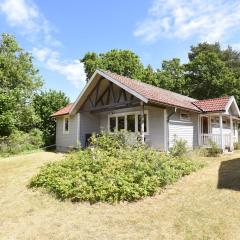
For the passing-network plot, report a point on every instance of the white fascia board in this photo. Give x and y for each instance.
(84, 89)
(231, 101)
(113, 81)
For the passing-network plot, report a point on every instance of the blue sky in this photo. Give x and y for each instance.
(58, 33)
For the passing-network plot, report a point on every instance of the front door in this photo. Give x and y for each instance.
(205, 129)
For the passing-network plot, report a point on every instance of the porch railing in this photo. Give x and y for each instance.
(206, 138)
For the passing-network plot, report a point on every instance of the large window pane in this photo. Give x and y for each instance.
(120, 123)
(145, 123)
(131, 123)
(112, 123)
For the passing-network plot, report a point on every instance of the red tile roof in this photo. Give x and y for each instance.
(63, 111)
(161, 96)
(212, 105)
(155, 94)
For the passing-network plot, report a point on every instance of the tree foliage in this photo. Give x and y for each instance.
(123, 62)
(212, 72)
(172, 76)
(45, 103)
(19, 80)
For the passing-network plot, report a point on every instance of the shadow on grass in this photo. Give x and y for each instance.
(229, 175)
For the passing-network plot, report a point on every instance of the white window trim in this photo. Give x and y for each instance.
(125, 114)
(66, 132)
(185, 119)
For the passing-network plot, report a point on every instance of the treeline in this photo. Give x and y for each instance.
(24, 106)
(210, 72)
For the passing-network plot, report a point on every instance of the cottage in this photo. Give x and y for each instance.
(110, 101)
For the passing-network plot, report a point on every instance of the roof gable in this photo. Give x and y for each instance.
(145, 92)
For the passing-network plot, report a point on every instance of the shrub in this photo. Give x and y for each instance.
(20, 141)
(126, 173)
(236, 145)
(213, 149)
(179, 148)
(198, 152)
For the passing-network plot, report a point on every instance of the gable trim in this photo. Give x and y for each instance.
(231, 101)
(126, 88)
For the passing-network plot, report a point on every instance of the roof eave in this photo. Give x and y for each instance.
(173, 105)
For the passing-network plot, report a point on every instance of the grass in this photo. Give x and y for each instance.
(200, 206)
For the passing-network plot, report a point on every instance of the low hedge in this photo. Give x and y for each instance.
(19, 142)
(96, 174)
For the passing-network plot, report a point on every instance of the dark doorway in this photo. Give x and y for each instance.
(205, 125)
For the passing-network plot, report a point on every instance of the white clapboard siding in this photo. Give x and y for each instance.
(181, 130)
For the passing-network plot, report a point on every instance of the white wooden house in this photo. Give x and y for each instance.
(110, 101)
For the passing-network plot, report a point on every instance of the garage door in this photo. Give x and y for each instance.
(178, 130)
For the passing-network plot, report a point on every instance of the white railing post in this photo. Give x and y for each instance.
(221, 132)
(142, 123)
(231, 134)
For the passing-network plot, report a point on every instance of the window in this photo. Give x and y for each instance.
(131, 123)
(139, 122)
(121, 123)
(112, 124)
(184, 116)
(66, 125)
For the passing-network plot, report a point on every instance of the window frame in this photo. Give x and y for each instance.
(125, 114)
(64, 121)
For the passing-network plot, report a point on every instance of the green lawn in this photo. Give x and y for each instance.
(204, 205)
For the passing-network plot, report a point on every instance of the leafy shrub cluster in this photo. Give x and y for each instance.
(236, 145)
(111, 171)
(179, 148)
(20, 141)
(213, 150)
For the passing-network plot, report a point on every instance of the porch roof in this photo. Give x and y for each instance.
(63, 111)
(213, 105)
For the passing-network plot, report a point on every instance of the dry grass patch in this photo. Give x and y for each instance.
(192, 208)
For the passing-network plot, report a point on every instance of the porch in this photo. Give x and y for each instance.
(218, 128)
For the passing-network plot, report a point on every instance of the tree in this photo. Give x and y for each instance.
(204, 48)
(19, 80)
(123, 62)
(230, 56)
(172, 76)
(149, 76)
(209, 76)
(46, 103)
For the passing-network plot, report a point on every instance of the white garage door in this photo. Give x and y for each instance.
(178, 130)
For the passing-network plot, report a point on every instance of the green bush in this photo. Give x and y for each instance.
(179, 148)
(19, 142)
(197, 152)
(236, 145)
(125, 173)
(213, 150)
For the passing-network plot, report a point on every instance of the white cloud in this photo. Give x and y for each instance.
(26, 16)
(41, 54)
(208, 20)
(72, 70)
